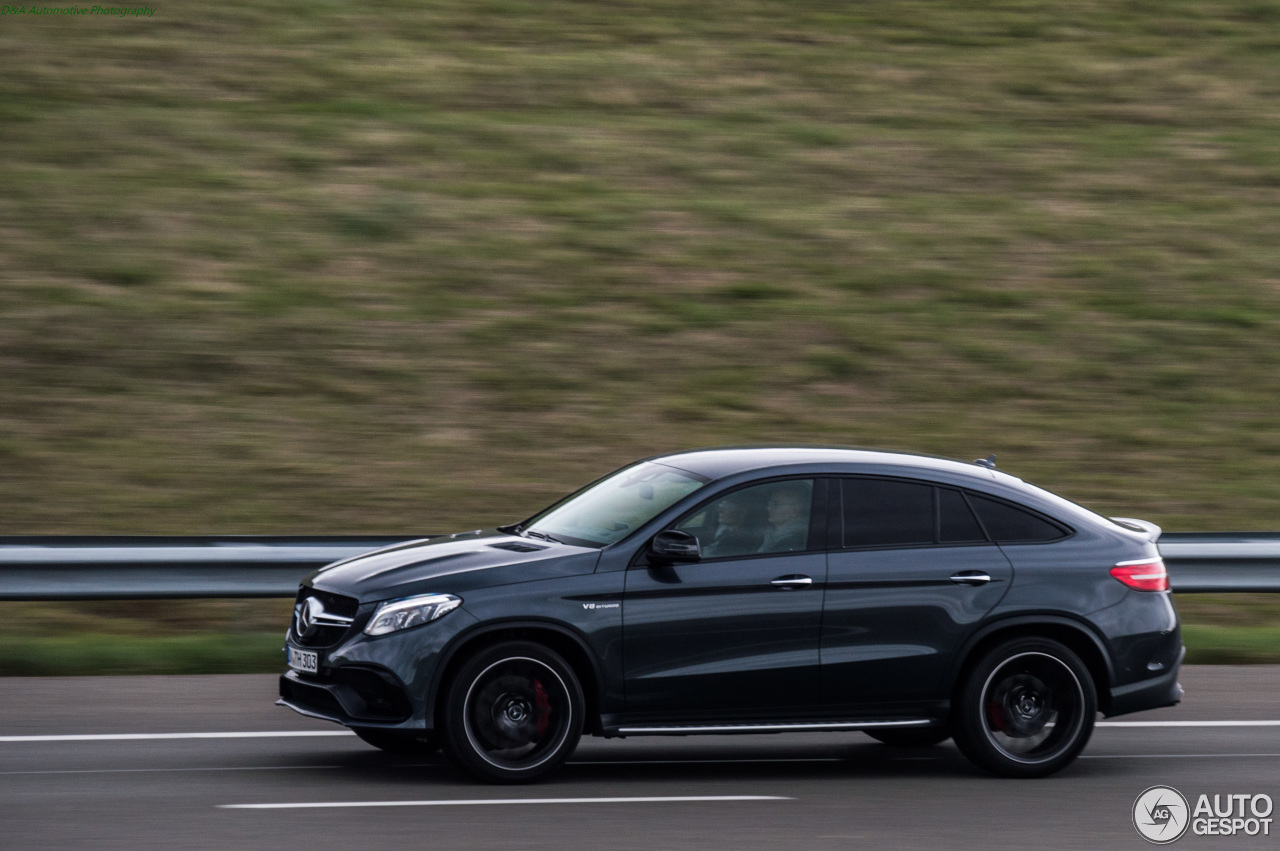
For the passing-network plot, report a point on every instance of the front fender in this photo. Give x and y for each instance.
(558, 635)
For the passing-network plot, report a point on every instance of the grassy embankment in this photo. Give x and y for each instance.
(281, 267)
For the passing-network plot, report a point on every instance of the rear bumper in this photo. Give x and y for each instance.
(1164, 690)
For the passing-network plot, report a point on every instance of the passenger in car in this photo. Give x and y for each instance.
(788, 526)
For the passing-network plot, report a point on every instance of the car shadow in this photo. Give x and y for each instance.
(648, 764)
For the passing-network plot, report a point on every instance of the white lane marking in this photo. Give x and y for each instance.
(1187, 724)
(642, 761)
(154, 770)
(125, 737)
(1176, 755)
(472, 802)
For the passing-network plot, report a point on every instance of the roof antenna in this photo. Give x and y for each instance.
(989, 462)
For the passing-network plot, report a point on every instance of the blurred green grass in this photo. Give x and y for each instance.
(295, 267)
(90, 654)
(143, 637)
(1230, 629)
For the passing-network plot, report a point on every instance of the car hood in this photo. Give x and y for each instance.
(451, 564)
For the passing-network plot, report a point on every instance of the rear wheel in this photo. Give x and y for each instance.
(392, 741)
(1027, 709)
(513, 713)
(911, 737)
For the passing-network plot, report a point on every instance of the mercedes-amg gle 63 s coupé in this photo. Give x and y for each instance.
(749, 590)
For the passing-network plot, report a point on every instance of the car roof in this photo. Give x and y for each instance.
(726, 461)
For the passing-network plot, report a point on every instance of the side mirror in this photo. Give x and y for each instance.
(675, 546)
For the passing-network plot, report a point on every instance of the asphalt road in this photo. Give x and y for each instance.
(819, 791)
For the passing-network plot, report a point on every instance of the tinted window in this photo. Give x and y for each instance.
(885, 514)
(1007, 524)
(771, 518)
(957, 525)
(609, 510)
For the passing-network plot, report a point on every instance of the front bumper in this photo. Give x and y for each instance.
(375, 681)
(352, 696)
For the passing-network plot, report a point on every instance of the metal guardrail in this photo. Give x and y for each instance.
(1218, 562)
(122, 568)
(139, 568)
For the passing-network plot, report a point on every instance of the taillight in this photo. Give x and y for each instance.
(1146, 574)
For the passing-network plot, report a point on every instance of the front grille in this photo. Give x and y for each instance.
(324, 635)
(333, 603)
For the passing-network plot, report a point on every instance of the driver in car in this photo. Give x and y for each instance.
(734, 534)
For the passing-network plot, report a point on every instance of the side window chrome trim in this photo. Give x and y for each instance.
(836, 515)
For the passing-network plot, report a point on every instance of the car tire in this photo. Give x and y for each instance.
(396, 742)
(513, 713)
(1026, 709)
(911, 737)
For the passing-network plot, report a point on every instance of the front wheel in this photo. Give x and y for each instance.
(513, 713)
(1027, 709)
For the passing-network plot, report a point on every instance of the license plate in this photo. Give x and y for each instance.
(306, 661)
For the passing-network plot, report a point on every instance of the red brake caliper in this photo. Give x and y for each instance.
(543, 706)
(995, 716)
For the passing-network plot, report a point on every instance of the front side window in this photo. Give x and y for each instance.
(759, 520)
(609, 510)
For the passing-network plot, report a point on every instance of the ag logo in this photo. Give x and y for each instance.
(1160, 814)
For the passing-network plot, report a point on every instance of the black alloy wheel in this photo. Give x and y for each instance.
(513, 713)
(1027, 709)
(396, 742)
(911, 737)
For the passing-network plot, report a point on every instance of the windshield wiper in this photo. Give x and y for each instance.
(543, 535)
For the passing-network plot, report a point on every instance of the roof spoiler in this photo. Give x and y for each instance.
(1143, 527)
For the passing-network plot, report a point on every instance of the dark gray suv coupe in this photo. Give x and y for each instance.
(748, 590)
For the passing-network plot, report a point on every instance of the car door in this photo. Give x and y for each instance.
(910, 575)
(735, 634)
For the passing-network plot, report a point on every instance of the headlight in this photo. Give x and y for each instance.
(395, 615)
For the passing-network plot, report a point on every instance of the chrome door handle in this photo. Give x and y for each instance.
(971, 577)
(790, 583)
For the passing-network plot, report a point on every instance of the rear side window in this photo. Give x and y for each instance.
(880, 513)
(1007, 524)
(956, 523)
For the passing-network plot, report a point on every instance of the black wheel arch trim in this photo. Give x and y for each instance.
(449, 655)
(1034, 619)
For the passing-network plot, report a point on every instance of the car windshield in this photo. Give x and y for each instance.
(610, 509)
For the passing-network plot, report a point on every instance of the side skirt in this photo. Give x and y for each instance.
(770, 727)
